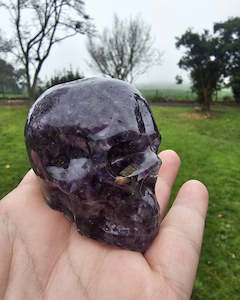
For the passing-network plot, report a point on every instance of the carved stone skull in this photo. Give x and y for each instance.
(93, 142)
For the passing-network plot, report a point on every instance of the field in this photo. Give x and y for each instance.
(209, 147)
(12, 96)
(166, 93)
(182, 94)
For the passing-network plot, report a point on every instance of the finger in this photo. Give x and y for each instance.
(175, 252)
(166, 177)
(29, 178)
(29, 186)
(30, 183)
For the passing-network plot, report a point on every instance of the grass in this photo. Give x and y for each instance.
(210, 151)
(209, 147)
(13, 160)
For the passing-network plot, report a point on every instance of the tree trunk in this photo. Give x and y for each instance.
(237, 99)
(235, 85)
(206, 106)
(207, 99)
(236, 94)
(31, 93)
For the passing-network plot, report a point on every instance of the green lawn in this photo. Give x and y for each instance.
(13, 159)
(210, 151)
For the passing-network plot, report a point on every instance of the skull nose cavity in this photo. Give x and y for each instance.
(141, 167)
(148, 164)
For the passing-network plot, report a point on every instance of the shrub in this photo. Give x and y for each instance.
(60, 77)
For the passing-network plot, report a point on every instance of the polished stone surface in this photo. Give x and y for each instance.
(94, 143)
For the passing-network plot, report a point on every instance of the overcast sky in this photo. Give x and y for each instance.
(168, 19)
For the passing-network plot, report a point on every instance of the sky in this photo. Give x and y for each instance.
(168, 19)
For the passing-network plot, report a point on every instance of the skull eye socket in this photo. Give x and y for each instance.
(121, 158)
(67, 147)
(61, 154)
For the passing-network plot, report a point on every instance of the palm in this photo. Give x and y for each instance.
(44, 257)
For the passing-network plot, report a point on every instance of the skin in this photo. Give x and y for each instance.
(43, 256)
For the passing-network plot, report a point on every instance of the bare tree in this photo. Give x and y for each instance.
(125, 51)
(39, 24)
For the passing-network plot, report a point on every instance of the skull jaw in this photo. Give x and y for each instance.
(115, 216)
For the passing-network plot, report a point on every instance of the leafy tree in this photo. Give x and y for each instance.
(229, 38)
(21, 79)
(125, 51)
(61, 77)
(179, 79)
(8, 78)
(64, 76)
(5, 45)
(203, 58)
(38, 26)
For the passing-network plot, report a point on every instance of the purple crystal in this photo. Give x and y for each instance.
(94, 143)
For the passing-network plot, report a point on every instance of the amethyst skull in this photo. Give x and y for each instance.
(93, 142)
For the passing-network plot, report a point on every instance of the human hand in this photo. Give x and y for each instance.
(42, 255)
